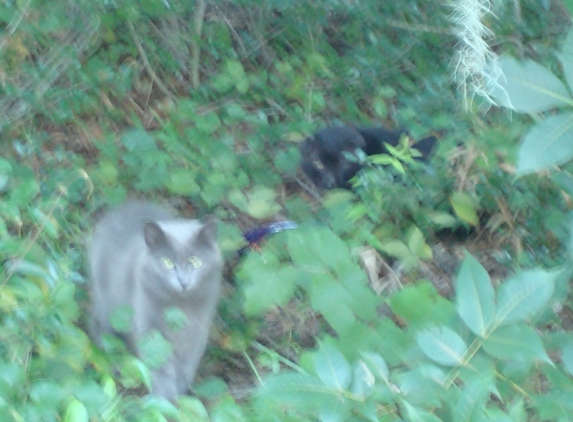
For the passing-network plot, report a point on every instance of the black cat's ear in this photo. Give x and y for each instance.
(209, 229)
(425, 146)
(154, 235)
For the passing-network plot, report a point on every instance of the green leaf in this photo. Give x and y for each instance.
(268, 286)
(154, 349)
(471, 402)
(47, 392)
(442, 345)
(121, 319)
(376, 364)
(192, 410)
(175, 318)
(396, 249)
(524, 295)
(330, 299)
(332, 367)
(5, 171)
(442, 219)
(182, 182)
(380, 109)
(76, 412)
(49, 223)
(417, 415)
(548, 144)
(362, 380)
(259, 202)
(207, 123)
(418, 245)
(516, 342)
(293, 389)
(25, 193)
(529, 87)
(430, 306)
(464, 208)
(475, 296)
(135, 372)
(567, 357)
(138, 140)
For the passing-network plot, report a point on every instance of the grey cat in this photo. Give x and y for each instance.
(144, 258)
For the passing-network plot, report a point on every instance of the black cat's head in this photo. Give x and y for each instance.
(323, 159)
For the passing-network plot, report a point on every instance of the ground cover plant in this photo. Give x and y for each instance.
(426, 293)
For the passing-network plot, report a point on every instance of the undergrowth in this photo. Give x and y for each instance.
(202, 105)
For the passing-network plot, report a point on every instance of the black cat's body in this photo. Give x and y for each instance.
(323, 159)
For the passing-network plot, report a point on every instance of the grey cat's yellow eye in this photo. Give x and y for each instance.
(195, 261)
(318, 164)
(167, 263)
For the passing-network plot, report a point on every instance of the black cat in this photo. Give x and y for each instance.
(323, 160)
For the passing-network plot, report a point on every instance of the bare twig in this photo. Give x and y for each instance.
(198, 18)
(147, 65)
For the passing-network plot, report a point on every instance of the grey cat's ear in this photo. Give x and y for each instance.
(209, 230)
(154, 235)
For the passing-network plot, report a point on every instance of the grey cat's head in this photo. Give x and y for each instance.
(182, 253)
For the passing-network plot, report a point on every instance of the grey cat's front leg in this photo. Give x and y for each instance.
(165, 382)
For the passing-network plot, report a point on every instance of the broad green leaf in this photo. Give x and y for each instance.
(380, 109)
(5, 170)
(182, 182)
(417, 244)
(524, 295)
(471, 402)
(191, 409)
(138, 140)
(161, 405)
(109, 387)
(442, 219)
(567, 357)
(121, 319)
(302, 391)
(334, 410)
(429, 307)
(417, 415)
(475, 296)
(175, 318)
(259, 202)
(330, 299)
(548, 144)
(528, 87)
(154, 349)
(376, 364)
(207, 123)
(25, 192)
(268, 288)
(517, 411)
(76, 412)
(362, 380)
(442, 345)
(332, 367)
(47, 392)
(464, 208)
(136, 371)
(516, 341)
(396, 249)
(48, 223)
